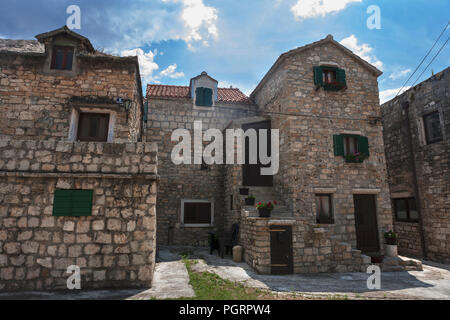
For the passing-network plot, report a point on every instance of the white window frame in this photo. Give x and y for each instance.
(75, 117)
(197, 225)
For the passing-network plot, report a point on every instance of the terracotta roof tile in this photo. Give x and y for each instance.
(231, 95)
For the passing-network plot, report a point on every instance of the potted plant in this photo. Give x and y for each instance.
(357, 157)
(377, 258)
(250, 201)
(391, 243)
(265, 208)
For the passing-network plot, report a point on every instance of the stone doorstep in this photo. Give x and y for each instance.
(392, 264)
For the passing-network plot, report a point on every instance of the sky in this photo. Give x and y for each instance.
(237, 41)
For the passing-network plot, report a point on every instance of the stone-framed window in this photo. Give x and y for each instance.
(62, 58)
(203, 97)
(92, 124)
(330, 78)
(405, 210)
(432, 127)
(72, 203)
(354, 148)
(197, 213)
(324, 209)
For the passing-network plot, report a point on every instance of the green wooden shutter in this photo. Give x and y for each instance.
(74, 203)
(62, 203)
(318, 76)
(341, 77)
(338, 143)
(207, 95)
(199, 94)
(363, 145)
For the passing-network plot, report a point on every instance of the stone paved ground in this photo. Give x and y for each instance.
(171, 281)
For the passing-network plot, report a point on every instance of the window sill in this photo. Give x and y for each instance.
(193, 225)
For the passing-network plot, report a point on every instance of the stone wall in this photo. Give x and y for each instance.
(39, 106)
(313, 249)
(432, 164)
(308, 118)
(188, 181)
(115, 247)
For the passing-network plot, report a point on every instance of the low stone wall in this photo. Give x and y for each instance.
(115, 247)
(313, 249)
(408, 234)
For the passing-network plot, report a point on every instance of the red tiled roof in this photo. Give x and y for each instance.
(165, 91)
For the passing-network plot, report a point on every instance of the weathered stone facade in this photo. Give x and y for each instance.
(188, 181)
(307, 119)
(39, 153)
(407, 149)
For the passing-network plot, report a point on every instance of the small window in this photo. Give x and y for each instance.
(324, 209)
(93, 127)
(62, 58)
(433, 130)
(350, 145)
(203, 97)
(353, 148)
(72, 203)
(405, 210)
(197, 213)
(329, 76)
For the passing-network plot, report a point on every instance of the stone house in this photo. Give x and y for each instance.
(417, 145)
(331, 186)
(77, 181)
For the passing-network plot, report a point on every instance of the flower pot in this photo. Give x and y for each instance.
(264, 213)
(391, 250)
(249, 201)
(243, 191)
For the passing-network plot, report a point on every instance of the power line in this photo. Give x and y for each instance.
(431, 61)
(423, 59)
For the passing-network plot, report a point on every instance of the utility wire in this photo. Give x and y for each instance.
(431, 61)
(423, 59)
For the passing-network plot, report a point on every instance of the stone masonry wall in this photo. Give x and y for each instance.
(187, 181)
(432, 164)
(39, 106)
(308, 119)
(115, 247)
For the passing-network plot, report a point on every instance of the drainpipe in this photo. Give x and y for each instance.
(405, 106)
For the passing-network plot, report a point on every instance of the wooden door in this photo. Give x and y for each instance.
(281, 257)
(366, 223)
(252, 172)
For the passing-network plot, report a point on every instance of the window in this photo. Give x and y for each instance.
(354, 148)
(93, 127)
(203, 97)
(330, 78)
(72, 203)
(324, 209)
(197, 213)
(405, 210)
(432, 125)
(62, 58)
(350, 145)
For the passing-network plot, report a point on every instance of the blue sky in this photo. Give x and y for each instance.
(237, 41)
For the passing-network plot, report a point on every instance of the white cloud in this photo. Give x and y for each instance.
(399, 74)
(389, 94)
(363, 50)
(170, 72)
(245, 88)
(305, 9)
(200, 22)
(146, 63)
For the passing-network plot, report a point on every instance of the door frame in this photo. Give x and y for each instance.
(289, 267)
(377, 233)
